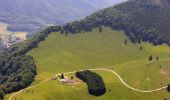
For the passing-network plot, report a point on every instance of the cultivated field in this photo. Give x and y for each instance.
(61, 53)
(4, 31)
(3, 27)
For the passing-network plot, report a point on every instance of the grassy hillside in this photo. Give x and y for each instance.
(106, 49)
(90, 48)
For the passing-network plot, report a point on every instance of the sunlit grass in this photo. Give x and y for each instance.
(61, 53)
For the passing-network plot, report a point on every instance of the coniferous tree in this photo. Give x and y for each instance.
(125, 42)
(100, 29)
(62, 76)
(157, 58)
(72, 77)
(150, 58)
(141, 48)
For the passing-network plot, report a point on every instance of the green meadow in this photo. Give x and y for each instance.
(106, 49)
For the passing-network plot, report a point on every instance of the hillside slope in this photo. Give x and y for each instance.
(68, 49)
(152, 14)
(30, 15)
(142, 20)
(106, 49)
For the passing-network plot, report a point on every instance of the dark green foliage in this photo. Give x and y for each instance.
(168, 88)
(148, 13)
(1, 95)
(62, 76)
(1, 92)
(100, 29)
(141, 48)
(160, 66)
(16, 72)
(157, 58)
(150, 20)
(125, 42)
(95, 83)
(150, 58)
(142, 20)
(72, 77)
(165, 99)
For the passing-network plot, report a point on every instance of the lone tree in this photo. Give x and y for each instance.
(157, 58)
(62, 76)
(160, 66)
(62, 31)
(72, 77)
(100, 29)
(125, 42)
(150, 58)
(141, 48)
(168, 88)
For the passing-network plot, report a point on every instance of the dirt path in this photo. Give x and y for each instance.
(98, 69)
(134, 89)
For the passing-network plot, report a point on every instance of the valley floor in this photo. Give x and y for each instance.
(8, 38)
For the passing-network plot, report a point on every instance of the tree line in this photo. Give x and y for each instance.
(17, 70)
(145, 21)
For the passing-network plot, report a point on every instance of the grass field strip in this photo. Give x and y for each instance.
(98, 69)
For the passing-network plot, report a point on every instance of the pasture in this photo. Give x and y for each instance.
(106, 49)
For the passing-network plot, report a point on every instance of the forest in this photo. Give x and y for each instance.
(141, 21)
(16, 72)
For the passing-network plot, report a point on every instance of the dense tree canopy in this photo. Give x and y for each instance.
(142, 20)
(17, 70)
(95, 83)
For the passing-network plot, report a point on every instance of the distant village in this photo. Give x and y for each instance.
(9, 39)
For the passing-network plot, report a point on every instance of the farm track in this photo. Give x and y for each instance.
(97, 69)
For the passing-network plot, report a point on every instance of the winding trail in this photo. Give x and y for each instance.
(98, 69)
(134, 89)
